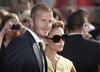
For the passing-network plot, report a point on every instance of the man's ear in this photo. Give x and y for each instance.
(31, 21)
(83, 28)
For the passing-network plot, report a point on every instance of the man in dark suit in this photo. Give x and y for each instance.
(96, 33)
(84, 53)
(23, 53)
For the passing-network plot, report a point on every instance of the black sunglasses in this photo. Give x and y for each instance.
(25, 20)
(57, 38)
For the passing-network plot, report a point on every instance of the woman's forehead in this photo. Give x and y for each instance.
(56, 31)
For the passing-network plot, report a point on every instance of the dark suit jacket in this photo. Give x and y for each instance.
(85, 54)
(95, 33)
(1, 56)
(23, 55)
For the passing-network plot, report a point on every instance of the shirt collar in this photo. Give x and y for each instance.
(37, 39)
(74, 33)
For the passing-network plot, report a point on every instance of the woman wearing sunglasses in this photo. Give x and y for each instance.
(54, 43)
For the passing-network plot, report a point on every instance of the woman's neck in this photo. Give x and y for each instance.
(51, 54)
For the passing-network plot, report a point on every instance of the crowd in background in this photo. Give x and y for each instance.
(73, 39)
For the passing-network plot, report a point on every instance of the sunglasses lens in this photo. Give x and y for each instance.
(56, 38)
(24, 21)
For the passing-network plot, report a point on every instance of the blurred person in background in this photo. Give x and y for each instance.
(57, 14)
(5, 28)
(7, 33)
(25, 18)
(84, 53)
(85, 11)
(88, 25)
(54, 43)
(3, 12)
(22, 6)
(96, 33)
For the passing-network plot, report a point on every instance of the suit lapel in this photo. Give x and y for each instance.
(36, 50)
(38, 56)
(45, 62)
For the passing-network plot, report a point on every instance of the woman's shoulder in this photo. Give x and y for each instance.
(65, 63)
(65, 60)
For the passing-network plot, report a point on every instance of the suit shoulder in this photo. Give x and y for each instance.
(19, 38)
(18, 41)
(93, 41)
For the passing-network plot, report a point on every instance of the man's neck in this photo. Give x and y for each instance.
(75, 32)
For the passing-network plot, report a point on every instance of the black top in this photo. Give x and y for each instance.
(1, 56)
